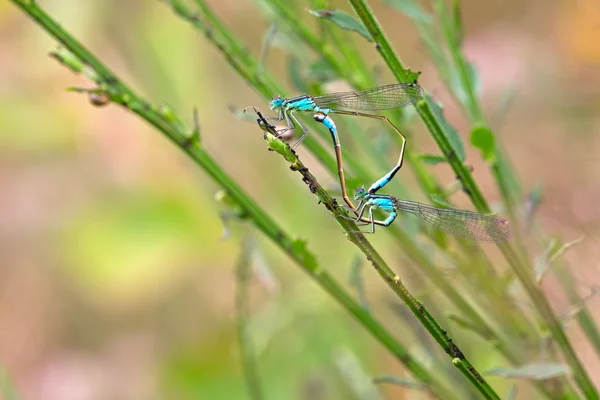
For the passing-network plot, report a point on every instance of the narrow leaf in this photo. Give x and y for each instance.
(356, 280)
(412, 9)
(467, 324)
(542, 263)
(483, 139)
(458, 34)
(512, 393)
(344, 21)
(577, 308)
(407, 383)
(552, 252)
(534, 371)
(561, 250)
(474, 78)
(431, 159)
(532, 202)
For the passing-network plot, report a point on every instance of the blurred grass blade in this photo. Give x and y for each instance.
(294, 69)
(264, 274)
(440, 201)
(534, 371)
(457, 86)
(457, 23)
(242, 303)
(412, 9)
(407, 383)
(483, 139)
(562, 249)
(532, 203)
(356, 280)
(468, 325)
(552, 252)
(577, 308)
(431, 159)
(512, 393)
(266, 45)
(353, 373)
(230, 211)
(504, 102)
(344, 21)
(448, 130)
(321, 71)
(542, 261)
(7, 390)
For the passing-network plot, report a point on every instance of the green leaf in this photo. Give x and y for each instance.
(474, 78)
(533, 371)
(483, 139)
(458, 34)
(412, 9)
(344, 21)
(449, 131)
(407, 383)
(431, 159)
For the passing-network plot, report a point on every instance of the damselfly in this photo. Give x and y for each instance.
(460, 223)
(380, 98)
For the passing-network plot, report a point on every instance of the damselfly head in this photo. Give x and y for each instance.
(360, 193)
(276, 102)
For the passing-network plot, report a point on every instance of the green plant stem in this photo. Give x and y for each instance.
(519, 265)
(242, 301)
(583, 317)
(122, 95)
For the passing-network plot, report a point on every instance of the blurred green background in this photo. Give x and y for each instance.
(115, 281)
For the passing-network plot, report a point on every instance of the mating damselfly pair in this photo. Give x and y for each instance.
(461, 223)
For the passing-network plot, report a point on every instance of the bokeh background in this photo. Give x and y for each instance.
(115, 279)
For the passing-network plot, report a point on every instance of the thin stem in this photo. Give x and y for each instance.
(242, 301)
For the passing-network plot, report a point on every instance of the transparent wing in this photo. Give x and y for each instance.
(460, 223)
(380, 98)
